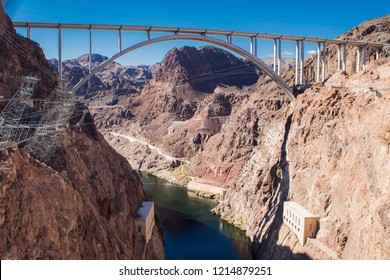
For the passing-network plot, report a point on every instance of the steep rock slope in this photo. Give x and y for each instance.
(109, 85)
(184, 78)
(82, 203)
(81, 206)
(189, 98)
(338, 154)
(256, 123)
(333, 162)
(20, 57)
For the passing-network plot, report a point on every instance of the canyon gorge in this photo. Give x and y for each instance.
(205, 115)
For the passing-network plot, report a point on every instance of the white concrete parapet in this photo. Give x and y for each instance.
(303, 223)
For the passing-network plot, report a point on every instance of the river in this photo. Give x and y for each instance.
(191, 232)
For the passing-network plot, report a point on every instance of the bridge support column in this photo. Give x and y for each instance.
(120, 39)
(345, 57)
(60, 51)
(296, 62)
(302, 62)
(364, 57)
(148, 35)
(357, 59)
(90, 49)
(318, 62)
(28, 31)
(275, 55)
(256, 46)
(229, 39)
(253, 46)
(338, 57)
(323, 62)
(279, 55)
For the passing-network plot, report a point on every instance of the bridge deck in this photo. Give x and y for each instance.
(178, 30)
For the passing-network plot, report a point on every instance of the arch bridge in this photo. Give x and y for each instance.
(206, 35)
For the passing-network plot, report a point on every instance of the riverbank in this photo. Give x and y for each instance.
(175, 170)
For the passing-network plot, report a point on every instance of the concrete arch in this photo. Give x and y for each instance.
(256, 61)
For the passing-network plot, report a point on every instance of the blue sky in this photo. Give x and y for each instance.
(305, 18)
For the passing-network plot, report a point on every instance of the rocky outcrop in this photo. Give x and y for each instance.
(256, 122)
(21, 57)
(188, 100)
(82, 203)
(80, 206)
(185, 78)
(109, 85)
(205, 68)
(337, 152)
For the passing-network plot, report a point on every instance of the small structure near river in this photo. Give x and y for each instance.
(303, 223)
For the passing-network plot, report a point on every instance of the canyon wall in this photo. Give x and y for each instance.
(82, 203)
(19, 57)
(327, 152)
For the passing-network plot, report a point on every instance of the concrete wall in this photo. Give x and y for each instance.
(311, 227)
(206, 188)
(144, 226)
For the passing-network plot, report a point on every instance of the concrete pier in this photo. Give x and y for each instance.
(275, 55)
(279, 55)
(364, 57)
(296, 62)
(120, 39)
(90, 49)
(323, 62)
(318, 62)
(344, 57)
(357, 59)
(302, 62)
(60, 52)
(338, 57)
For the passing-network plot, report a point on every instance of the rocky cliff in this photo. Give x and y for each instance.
(82, 203)
(337, 152)
(189, 98)
(21, 57)
(109, 85)
(331, 160)
(80, 206)
(327, 152)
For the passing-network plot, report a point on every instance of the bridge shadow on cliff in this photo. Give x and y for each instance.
(270, 226)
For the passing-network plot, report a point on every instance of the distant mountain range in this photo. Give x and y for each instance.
(287, 62)
(115, 80)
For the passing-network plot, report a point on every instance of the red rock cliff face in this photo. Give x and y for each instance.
(332, 160)
(20, 57)
(338, 154)
(82, 203)
(81, 206)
